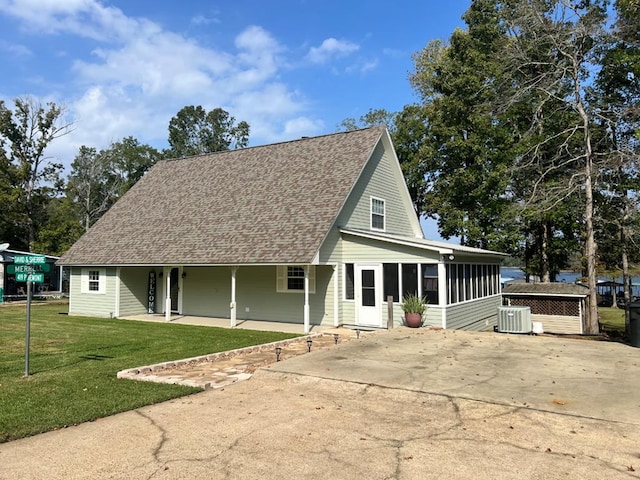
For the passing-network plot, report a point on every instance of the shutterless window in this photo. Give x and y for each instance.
(94, 280)
(430, 283)
(348, 281)
(377, 214)
(409, 279)
(390, 280)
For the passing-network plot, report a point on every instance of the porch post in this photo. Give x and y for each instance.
(306, 299)
(336, 320)
(442, 291)
(167, 302)
(233, 296)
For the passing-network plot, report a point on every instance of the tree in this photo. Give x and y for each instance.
(554, 46)
(194, 131)
(617, 96)
(98, 179)
(373, 118)
(467, 147)
(26, 133)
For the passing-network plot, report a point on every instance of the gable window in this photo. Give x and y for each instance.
(377, 214)
(93, 280)
(291, 279)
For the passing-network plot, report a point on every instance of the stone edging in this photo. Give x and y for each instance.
(145, 373)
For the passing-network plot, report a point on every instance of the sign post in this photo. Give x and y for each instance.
(28, 274)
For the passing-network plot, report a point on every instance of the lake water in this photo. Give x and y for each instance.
(507, 274)
(516, 273)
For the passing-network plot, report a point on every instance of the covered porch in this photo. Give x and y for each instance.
(296, 297)
(269, 326)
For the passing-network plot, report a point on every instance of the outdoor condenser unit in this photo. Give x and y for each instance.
(514, 320)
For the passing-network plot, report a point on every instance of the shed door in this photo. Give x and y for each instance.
(368, 290)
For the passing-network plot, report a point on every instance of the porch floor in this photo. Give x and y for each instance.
(225, 323)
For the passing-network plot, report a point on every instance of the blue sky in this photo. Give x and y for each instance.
(289, 68)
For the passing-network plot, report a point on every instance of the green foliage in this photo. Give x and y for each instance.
(373, 118)
(467, 145)
(98, 179)
(412, 303)
(194, 131)
(74, 361)
(30, 178)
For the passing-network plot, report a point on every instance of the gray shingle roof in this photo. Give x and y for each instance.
(268, 204)
(554, 288)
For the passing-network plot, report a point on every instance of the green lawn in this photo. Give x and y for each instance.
(74, 361)
(611, 319)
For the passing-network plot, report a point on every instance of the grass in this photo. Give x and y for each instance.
(611, 319)
(74, 361)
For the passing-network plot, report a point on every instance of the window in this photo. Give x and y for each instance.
(390, 281)
(468, 282)
(295, 278)
(93, 280)
(377, 214)
(430, 283)
(348, 281)
(409, 279)
(291, 279)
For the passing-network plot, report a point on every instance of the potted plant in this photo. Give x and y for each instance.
(413, 307)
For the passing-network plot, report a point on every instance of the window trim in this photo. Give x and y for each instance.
(373, 199)
(282, 279)
(85, 281)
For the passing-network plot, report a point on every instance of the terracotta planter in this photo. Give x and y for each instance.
(413, 320)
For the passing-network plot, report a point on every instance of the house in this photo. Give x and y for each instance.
(316, 231)
(12, 287)
(560, 307)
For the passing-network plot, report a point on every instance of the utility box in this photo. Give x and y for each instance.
(634, 324)
(514, 320)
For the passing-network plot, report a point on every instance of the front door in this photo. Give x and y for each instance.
(368, 289)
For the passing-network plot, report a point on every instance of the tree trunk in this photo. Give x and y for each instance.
(626, 280)
(544, 252)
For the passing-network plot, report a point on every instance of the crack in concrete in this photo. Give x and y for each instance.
(159, 446)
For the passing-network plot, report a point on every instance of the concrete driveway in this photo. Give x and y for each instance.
(404, 404)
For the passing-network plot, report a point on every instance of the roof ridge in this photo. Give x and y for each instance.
(283, 142)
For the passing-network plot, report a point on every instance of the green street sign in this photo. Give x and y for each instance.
(12, 268)
(30, 277)
(29, 259)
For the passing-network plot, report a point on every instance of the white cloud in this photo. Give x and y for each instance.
(204, 20)
(15, 49)
(331, 48)
(141, 74)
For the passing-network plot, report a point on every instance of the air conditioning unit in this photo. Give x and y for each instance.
(514, 320)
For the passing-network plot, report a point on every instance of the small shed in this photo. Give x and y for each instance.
(560, 307)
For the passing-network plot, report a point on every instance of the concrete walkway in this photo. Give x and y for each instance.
(403, 404)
